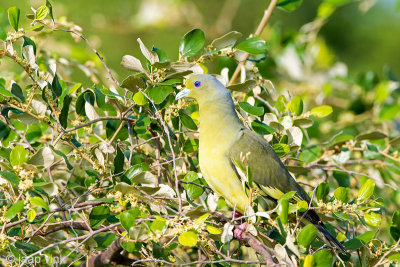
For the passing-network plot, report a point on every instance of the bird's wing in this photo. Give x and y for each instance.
(267, 170)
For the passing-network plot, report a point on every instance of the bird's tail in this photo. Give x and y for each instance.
(313, 217)
(330, 237)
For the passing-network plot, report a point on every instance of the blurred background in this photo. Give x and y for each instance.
(364, 36)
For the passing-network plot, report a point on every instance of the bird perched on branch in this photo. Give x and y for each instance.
(224, 141)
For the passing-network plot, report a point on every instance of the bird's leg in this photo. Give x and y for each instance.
(237, 233)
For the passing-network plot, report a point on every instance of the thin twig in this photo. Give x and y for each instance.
(260, 28)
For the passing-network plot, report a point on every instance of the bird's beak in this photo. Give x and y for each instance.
(184, 93)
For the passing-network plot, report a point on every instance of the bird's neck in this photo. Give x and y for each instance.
(219, 122)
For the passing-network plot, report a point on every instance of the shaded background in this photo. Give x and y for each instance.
(364, 40)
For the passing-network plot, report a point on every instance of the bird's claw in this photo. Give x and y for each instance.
(237, 233)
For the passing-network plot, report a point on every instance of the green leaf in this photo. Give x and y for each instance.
(261, 128)
(17, 91)
(98, 215)
(159, 224)
(367, 236)
(307, 235)
(119, 161)
(253, 45)
(18, 156)
(50, 7)
(281, 149)
(63, 118)
(11, 177)
(366, 190)
(4, 91)
(31, 215)
(323, 258)
(226, 40)
(56, 86)
(281, 103)
(258, 111)
(289, 5)
(192, 190)
(353, 244)
(322, 191)
(128, 218)
(14, 209)
(192, 43)
(13, 17)
(213, 230)
(135, 170)
(188, 238)
(342, 194)
(159, 93)
(371, 136)
(296, 105)
(29, 41)
(321, 111)
(39, 202)
(140, 98)
(42, 12)
(283, 210)
(372, 218)
(187, 121)
(245, 87)
(132, 83)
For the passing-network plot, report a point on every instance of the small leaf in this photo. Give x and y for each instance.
(119, 161)
(56, 86)
(321, 111)
(258, 111)
(187, 121)
(261, 128)
(42, 12)
(307, 235)
(98, 215)
(15, 209)
(13, 17)
(366, 190)
(227, 233)
(202, 218)
(323, 258)
(31, 215)
(281, 149)
(372, 218)
(247, 86)
(50, 7)
(371, 136)
(150, 55)
(17, 91)
(135, 170)
(226, 40)
(296, 105)
(283, 210)
(309, 261)
(253, 45)
(342, 194)
(132, 83)
(159, 93)
(191, 43)
(131, 63)
(192, 190)
(128, 218)
(188, 238)
(159, 224)
(63, 118)
(39, 202)
(367, 236)
(322, 191)
(289, 5)
(4, 91)
(140, 99)
(213, 230)
(18, 156)
(11, 177)
(353, 244)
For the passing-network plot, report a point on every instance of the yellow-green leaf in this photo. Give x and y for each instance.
(31, 215)
(42, 12)
(188, 238)
(213, 230)
(372, 219)
(309, 261)
(366, 190)
(202, 218)
(18, 156)
(321, 111)
(140, 99)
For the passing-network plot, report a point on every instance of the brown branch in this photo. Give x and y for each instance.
(260, 28)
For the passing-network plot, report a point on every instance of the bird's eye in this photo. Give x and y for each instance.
(197, 83)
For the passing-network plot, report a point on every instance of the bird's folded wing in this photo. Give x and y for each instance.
(267, 170)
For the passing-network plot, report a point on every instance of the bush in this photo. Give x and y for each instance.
(109, 173)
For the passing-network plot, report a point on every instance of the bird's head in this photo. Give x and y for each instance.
(203, 88)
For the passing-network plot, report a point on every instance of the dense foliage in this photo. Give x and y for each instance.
(113, 169)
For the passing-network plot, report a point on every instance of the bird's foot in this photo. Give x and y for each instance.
(237, 233)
